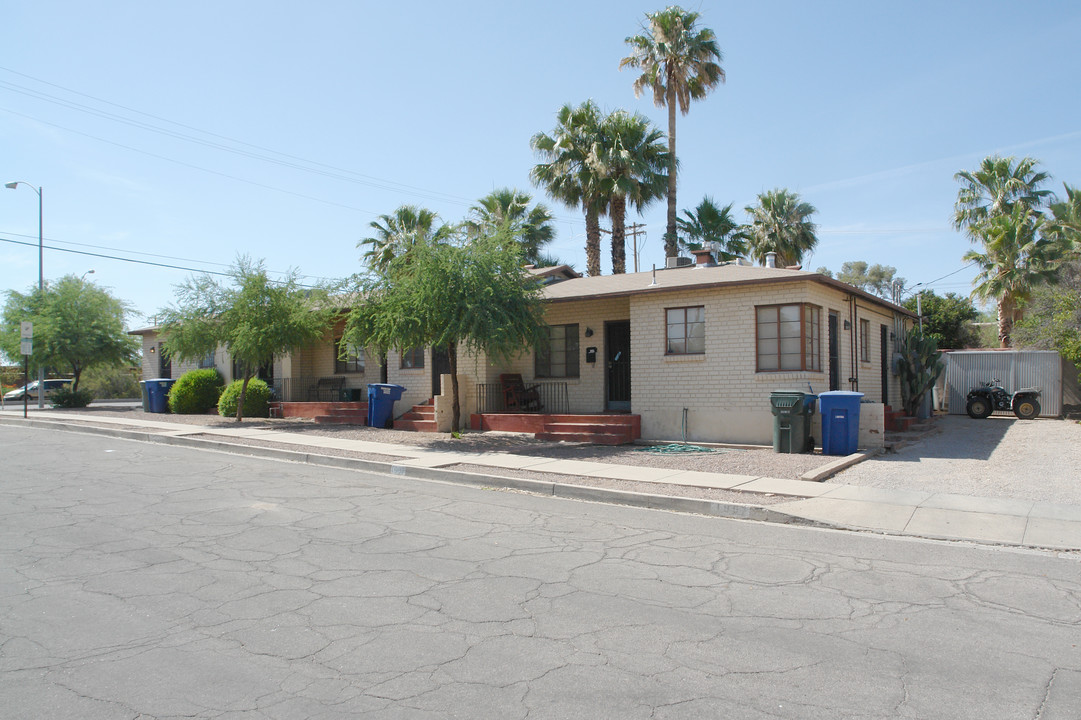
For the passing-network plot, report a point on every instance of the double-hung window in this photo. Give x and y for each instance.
(789, 337)
(557, 356)
(686, 330)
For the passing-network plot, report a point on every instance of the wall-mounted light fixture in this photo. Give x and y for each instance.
(848, 325)
(589, 332)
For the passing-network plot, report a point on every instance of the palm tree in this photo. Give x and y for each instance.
(708, 223)
(530, 226)
(566, 174)
(780, 223)
(1064, 224)
(397, 233)
(679, 63)
(994, 189)
(1017, 258)
(631, 162)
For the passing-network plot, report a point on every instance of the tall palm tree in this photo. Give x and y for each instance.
(708, 223)
(566, 175)
(679, 63)
(631, 162)
(780, 223)
(1017, 257)
(395, 234)
(531, 226)
(1064, 223)
(994, 189)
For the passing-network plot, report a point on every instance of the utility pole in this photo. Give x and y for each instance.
(635, 230)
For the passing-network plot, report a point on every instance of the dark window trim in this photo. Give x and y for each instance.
(686, 335)
(417, 359)
(571, 360)
(865, 340)
(816, 351)
(352, 365)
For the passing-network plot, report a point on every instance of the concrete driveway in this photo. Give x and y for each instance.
(1036, 460)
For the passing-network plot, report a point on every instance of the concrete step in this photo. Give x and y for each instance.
(596, 438)
(416, 425)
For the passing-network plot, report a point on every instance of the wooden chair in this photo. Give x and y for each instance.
(516, 396)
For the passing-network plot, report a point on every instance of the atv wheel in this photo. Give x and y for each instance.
(978, 408)
(1026, 409)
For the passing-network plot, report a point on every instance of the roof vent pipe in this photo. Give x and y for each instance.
(771, 259)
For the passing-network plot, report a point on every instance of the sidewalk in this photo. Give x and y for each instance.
(917, 513)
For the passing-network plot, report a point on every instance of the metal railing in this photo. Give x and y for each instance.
(316, 389)
(553, 397)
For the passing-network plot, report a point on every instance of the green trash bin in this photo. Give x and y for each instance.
(792, 411)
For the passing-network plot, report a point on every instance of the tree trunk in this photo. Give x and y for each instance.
(593, 242)
(670, 246)
(1005, 320)
(240, 401)
(76, 372)
(456, 407)
(619, 234)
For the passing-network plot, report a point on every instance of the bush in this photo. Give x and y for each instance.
(196, 392)
(68, 398)
(112, 382)
(256, 400)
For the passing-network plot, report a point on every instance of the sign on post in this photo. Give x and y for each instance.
(26, 330)
(26, 346)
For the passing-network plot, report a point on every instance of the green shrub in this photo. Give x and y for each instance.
(109, 382)
(256, 400)
(68, 398)
(195, 392)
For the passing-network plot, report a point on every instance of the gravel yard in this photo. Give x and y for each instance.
(998, 457)
(758, 462)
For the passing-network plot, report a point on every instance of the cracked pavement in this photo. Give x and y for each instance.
(148, 581)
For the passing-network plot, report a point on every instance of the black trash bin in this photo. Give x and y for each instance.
(792, 411)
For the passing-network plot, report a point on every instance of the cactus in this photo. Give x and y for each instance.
(919, 367)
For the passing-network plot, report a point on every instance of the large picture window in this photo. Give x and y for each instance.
(557, 357)
(789, 337)
(686, 333)
(349, 359)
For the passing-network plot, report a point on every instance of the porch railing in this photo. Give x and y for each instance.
(316, 389)
(553, 397)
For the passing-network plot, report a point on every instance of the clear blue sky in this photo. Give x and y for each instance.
(150, 125)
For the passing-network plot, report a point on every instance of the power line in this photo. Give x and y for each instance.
(138, 262)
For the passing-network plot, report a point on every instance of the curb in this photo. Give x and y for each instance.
(670, 503)
(827, 471)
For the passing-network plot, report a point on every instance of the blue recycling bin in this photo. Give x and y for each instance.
(840, 421)
(381, 397)
(157, 394)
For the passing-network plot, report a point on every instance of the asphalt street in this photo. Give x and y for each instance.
(147, 581)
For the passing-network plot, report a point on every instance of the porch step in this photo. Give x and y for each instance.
(596, 438)
(420, 419)
(589, 430)
(344, 415)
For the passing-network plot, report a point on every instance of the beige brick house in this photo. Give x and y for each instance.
(693, 351)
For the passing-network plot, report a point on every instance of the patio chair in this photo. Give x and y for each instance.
(516, 396)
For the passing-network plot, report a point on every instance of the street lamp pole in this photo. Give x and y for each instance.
(41, 277)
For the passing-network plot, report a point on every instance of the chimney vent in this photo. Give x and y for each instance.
(704, 258)
(771, 259)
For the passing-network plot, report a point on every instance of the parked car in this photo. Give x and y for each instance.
(31, 390)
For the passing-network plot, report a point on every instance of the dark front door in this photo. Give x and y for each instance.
(885, 365)
(835, 354)
(440, 366)
(617, 350)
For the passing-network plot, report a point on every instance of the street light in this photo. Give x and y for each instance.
(41, 278)
(88, 272)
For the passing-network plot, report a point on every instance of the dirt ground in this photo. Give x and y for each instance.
(760, 462)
